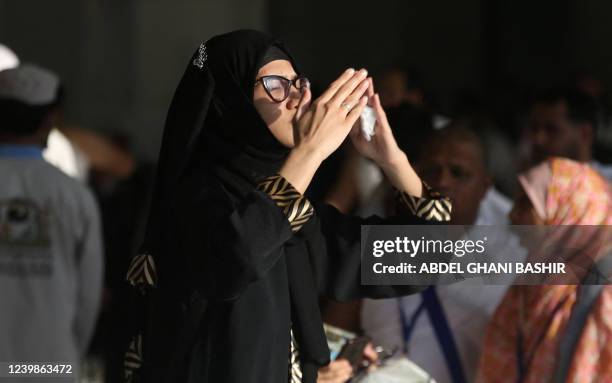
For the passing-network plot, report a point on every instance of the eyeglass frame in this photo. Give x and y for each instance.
(287, 92)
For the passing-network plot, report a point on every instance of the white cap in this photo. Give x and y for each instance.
(8, 58)
(29, 84)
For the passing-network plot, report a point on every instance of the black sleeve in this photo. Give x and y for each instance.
(242, 237)
(338, 266)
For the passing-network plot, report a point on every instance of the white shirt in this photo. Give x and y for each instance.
(468, 306)
(51, 262)
(66, 156)
(494, 209)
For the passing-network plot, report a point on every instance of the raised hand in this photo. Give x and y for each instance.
(322, 126)
(382, 147)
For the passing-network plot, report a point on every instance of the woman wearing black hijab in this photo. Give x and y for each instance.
(235, 256)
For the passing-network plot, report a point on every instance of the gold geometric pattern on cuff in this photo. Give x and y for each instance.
(141, 272)
(133, 359)
(295, 206)
(295, 367)
(431, 207)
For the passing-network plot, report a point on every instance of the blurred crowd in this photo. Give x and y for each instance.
(87, 191)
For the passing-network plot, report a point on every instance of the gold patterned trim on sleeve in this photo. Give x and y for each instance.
(431, 207)
(141, 272)
(295, 367)
(133, 359)
(295, 206)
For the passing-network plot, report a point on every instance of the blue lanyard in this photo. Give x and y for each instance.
(408, 325)
(20, 151)
(431, 303)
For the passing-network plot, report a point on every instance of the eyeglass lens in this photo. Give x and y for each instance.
(279, 87)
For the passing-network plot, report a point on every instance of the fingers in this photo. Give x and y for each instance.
(338, 371)
(370, 92)
(349, 86)
(355, 132)
(353, 99)
(303, 104)
(343, 371)
(356, 111)
(381, 116)
(334, 86)
(369, 353)
(376, 104)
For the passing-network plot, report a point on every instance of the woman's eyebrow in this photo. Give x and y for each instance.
(292, 76)
(289, 76)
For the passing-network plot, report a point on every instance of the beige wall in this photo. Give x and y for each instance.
(121, 59)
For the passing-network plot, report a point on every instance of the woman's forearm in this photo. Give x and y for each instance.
(300, 167)
(402, 176)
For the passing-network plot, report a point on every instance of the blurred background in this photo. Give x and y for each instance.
(119, 62)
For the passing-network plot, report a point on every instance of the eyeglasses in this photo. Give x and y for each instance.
(278, 87)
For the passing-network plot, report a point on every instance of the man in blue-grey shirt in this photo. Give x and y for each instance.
(51, 262)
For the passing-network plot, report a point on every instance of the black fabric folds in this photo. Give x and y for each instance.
(212, 123)
(212, 110)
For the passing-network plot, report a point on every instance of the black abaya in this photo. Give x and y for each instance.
(223, 276)
(242, 270)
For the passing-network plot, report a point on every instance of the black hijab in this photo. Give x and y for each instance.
(212, 122)
(212, 119)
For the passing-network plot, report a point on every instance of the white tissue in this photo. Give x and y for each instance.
(368, 120)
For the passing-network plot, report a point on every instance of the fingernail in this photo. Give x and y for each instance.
(350, 70)
(364, 72)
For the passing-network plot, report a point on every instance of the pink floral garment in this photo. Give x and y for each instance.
(536, 316)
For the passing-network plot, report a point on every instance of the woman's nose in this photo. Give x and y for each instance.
(294, 99)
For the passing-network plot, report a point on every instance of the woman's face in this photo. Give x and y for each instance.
(277, 115)
(523, 212)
